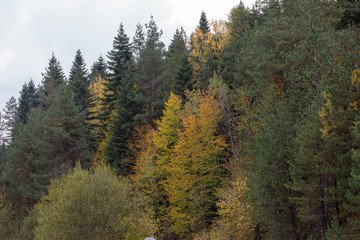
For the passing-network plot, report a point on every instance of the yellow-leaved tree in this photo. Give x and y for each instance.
(195, 170)
(206, 50)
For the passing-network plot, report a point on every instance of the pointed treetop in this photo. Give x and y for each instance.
(204, 23)
(78, 68)
(54, 72)
(121, 53)
(98, 68)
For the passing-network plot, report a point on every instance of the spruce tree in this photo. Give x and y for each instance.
(116, 152)
(119, 65)
(99, 68)
(177, 69)
(78, 80)
(183, 77)
(29, 98)
(119, 105)
(52, 78)
(204, 23)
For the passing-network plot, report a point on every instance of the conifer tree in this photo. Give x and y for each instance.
(52, 78)
(204, 23)
(116, 151)
(183, 77)
(78, 80)
(50, 143)
(10, 120)
(119, 66)
(120, 106)
(138, 41)
(28, 99)
(352, 195)
(149, 75)
(175, 62)
(98, 68)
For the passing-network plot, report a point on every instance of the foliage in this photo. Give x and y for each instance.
(85, 205)
(195, 170)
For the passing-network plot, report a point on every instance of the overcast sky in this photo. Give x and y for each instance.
(30, 30)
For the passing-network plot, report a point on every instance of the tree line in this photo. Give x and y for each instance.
(247, 129)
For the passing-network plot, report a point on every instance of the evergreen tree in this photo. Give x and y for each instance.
(99, 68)
(52, 78)
(352, 194)
(2, 133)
(10, 119)
(183, 77)
(204, 23)
(28, 99)
(119, 66)
(116, 152)
(120, 104)
(50, 143)
(149, 75)
(239, 27)
(138, 41)
(175, 62)
(78, 80)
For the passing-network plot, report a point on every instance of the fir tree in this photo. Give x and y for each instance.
(175, 62)
(119, 66)
(78, 80)
(204, 23)
(52, 78)
(28, 99)
(99, 68)
(183, 77)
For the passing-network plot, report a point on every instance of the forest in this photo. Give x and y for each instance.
(245, 129)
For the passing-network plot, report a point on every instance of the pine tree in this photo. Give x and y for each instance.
(78, 80)
(138, 41)
(52, 78)
(149, 75)
(28, 99)
(10, 119)
(2, 133)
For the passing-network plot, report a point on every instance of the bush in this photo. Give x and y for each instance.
(99, 205)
